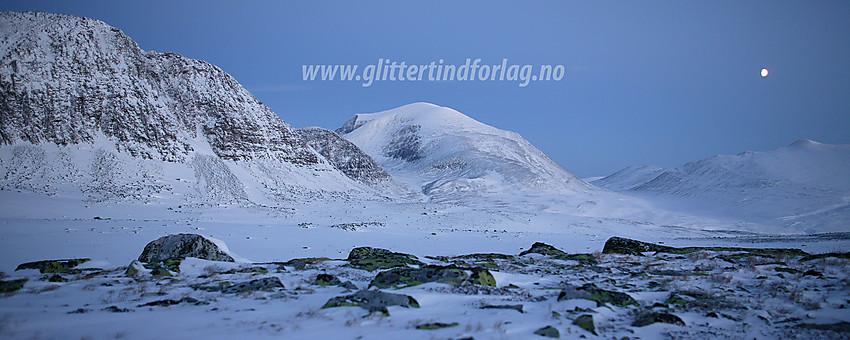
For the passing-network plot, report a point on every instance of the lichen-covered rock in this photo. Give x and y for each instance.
(601, 296)
(135, 268)
(373, 301)
(619, 245)
(11, 285)
(517, 308)
(54, 266)
(450, 275)
(482, 277)
(585, 322)
(549, 332)
(649, 317)
(266, 284)
(330, 280)
(368, 258)
(183, 246)
(170, 302)
(436, 325)
(548, 250)
(407, 277)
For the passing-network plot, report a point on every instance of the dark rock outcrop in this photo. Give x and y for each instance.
(344, 156)
(182, 246)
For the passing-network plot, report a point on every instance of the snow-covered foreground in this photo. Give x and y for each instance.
(34, 227)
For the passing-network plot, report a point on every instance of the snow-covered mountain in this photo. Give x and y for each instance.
(804, 185)
(84, 111)
(445, 154)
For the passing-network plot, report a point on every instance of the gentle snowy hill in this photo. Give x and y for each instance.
(628, 178)
(804, 185)
(450, 156)
(85, 112)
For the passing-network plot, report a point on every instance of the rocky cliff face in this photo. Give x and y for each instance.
(345, 156)
(66, 80)
(84, 111)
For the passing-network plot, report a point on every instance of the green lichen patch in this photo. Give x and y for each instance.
(436, 325)
(54, 266)
(165, 267)
(549, 332)
(11, 285)
(482, 277)
(585, 322)
(368, 258)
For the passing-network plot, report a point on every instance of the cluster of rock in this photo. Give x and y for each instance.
(607, 279)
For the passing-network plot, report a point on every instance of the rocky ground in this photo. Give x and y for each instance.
(185, 284)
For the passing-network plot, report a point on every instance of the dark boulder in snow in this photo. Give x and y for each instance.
(373, 301)
(182, 246)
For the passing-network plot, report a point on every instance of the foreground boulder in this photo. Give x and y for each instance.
(183, 246)
(373, 301)
(368, 258)
(619, 245)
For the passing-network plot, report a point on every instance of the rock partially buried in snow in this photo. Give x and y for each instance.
(548, 250)
(450, 275)
(54, 266)
(619, 245)
(182, 246)
(549, 332)
(373, 301)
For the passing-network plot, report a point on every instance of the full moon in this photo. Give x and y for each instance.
(763, 72)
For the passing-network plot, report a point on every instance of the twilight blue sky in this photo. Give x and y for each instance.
(647, 82)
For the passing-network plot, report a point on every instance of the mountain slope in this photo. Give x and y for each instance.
(353, 162)
(804, 185)
(449, 155)
(84, 86)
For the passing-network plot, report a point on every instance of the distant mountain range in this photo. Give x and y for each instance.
(805, 183)
(85, 113)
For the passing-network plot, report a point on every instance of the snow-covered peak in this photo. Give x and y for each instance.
(445, 153)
